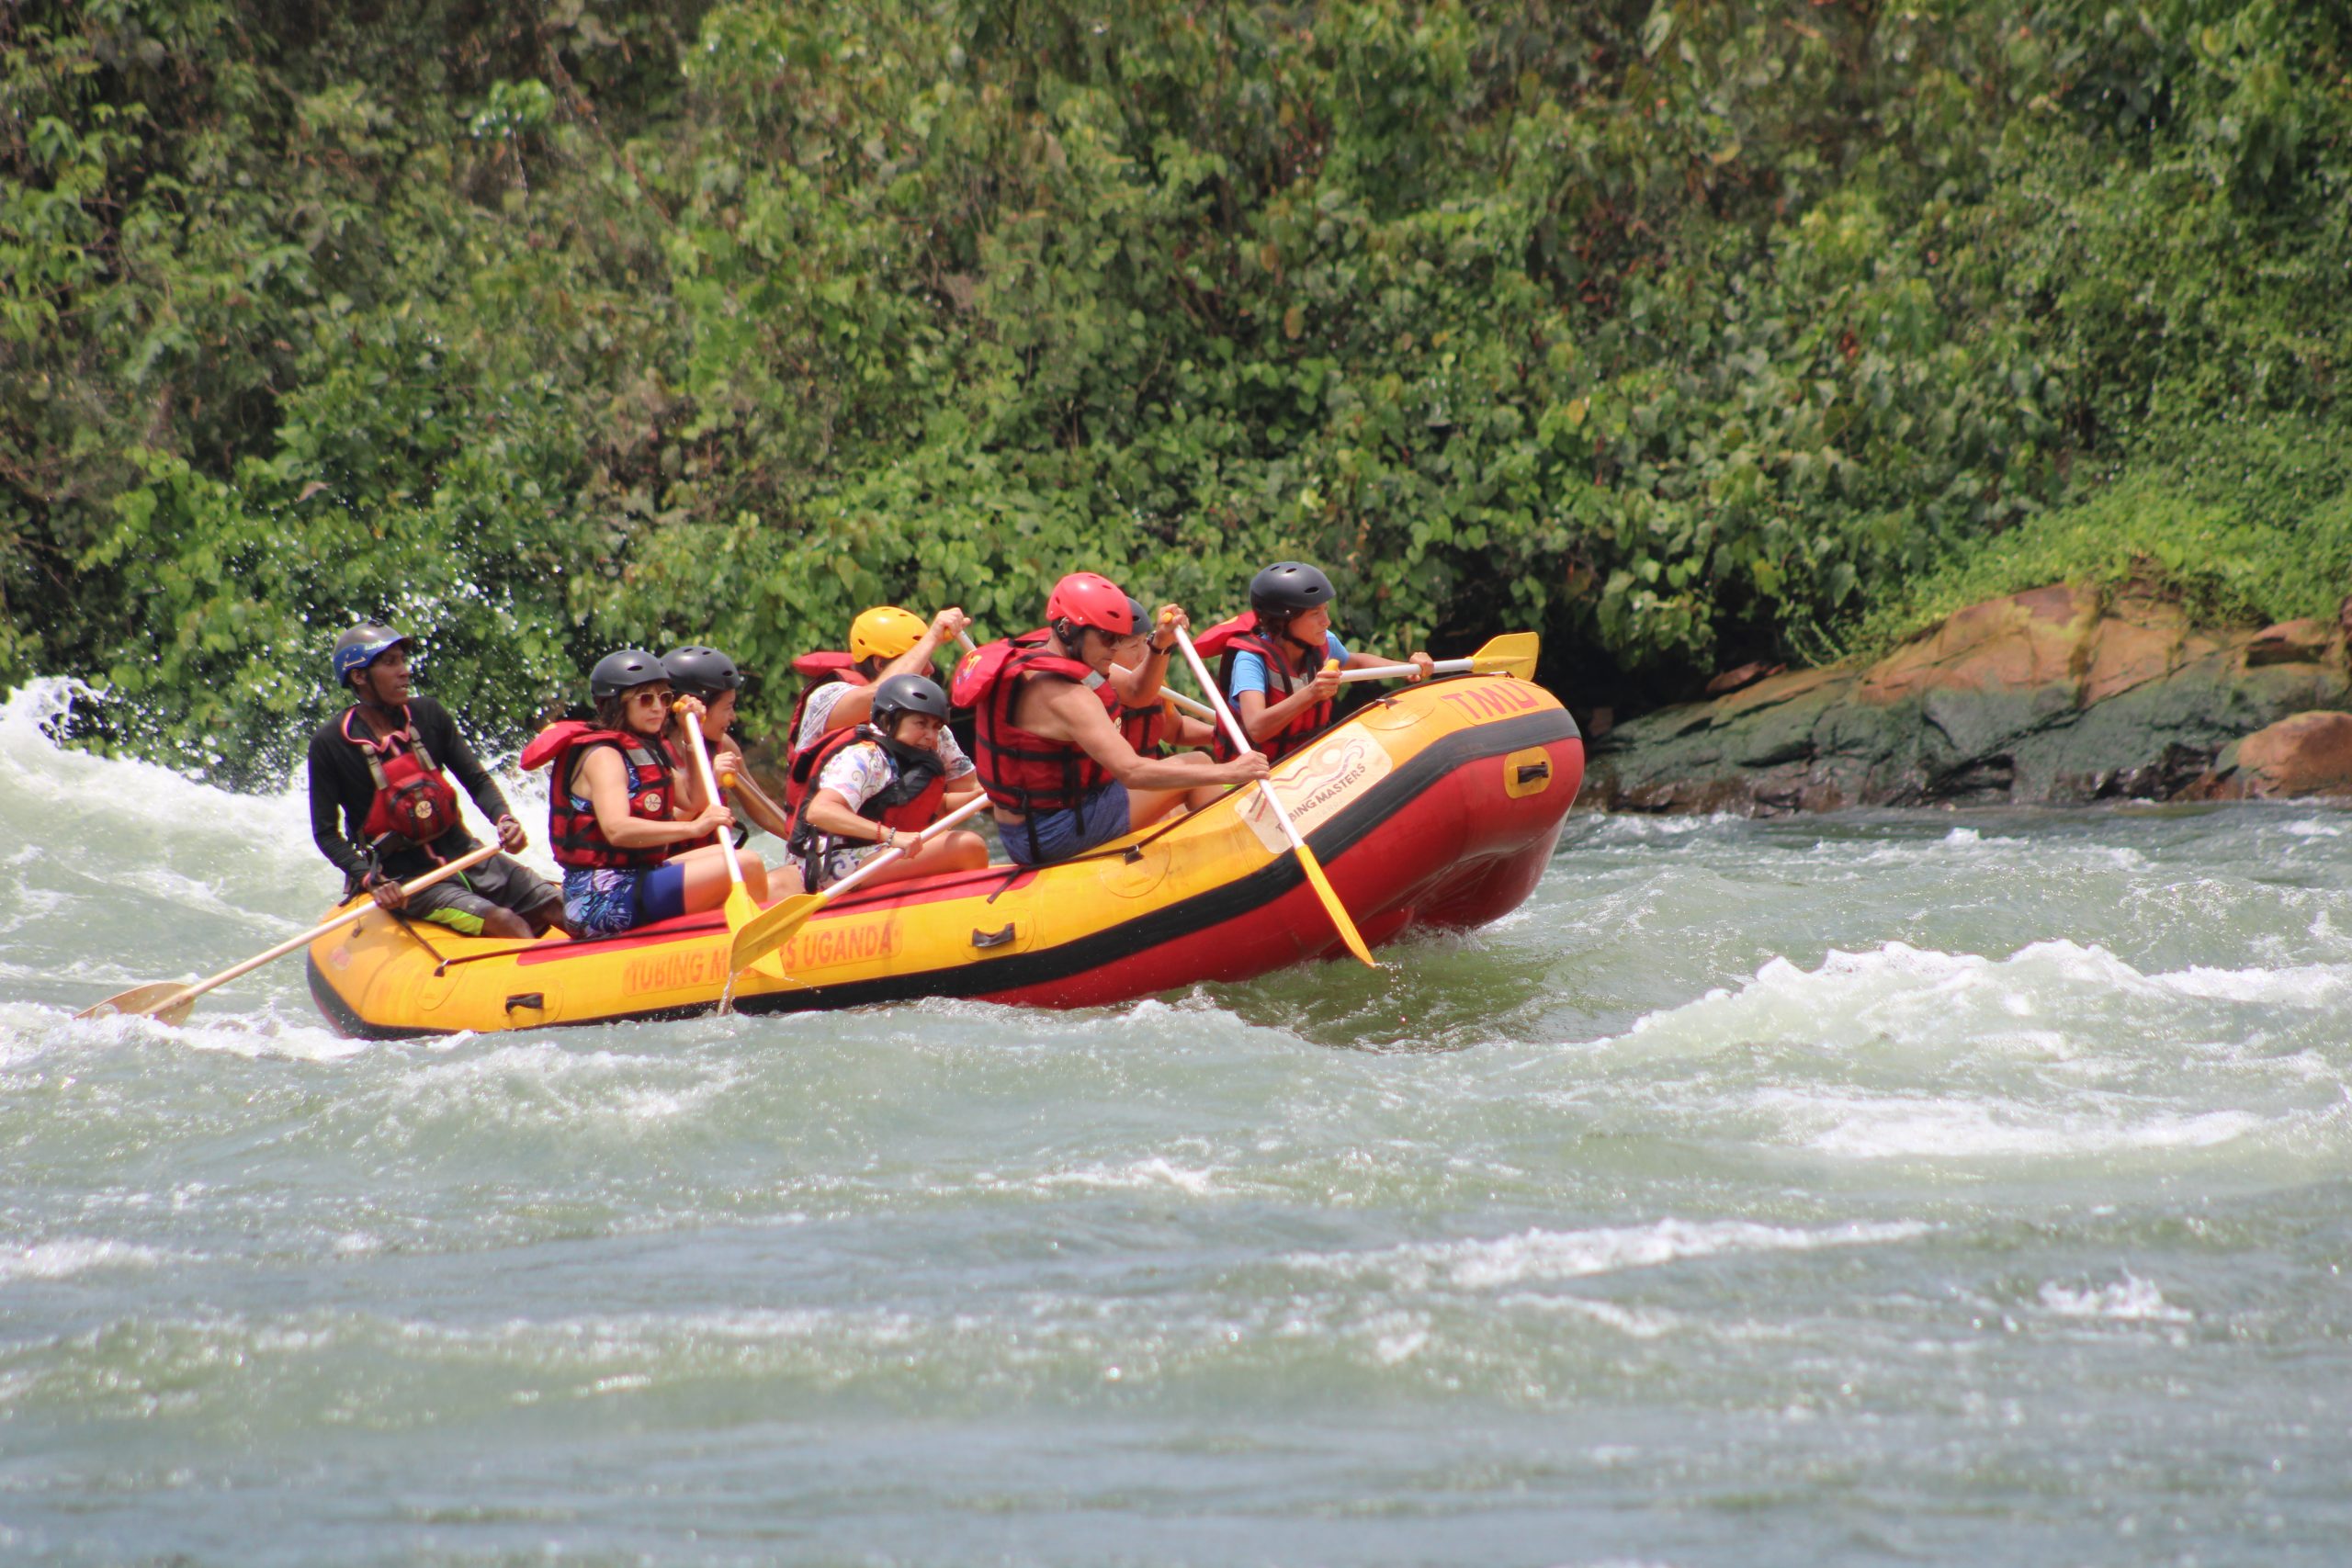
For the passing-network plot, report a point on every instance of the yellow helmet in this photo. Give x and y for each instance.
(884, 632)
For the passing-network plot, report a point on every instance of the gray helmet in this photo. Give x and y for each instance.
(1285, 588)
(617, 672)
(704, 672)
(908, 694)
(362, 646)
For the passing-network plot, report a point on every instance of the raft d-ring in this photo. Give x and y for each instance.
(1527, 772)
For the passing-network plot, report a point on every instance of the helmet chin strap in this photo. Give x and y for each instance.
(904, 751)
(1314, 653)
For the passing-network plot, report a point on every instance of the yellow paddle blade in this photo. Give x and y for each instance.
(146, 999)
(741, 911)
(759, 936)
(1331, 906)
(1512, 654)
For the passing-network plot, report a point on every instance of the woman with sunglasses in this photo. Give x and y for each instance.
(612, 808)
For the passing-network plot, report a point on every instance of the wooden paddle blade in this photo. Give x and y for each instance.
(1332, 905)
(1512, 654)
(147, 1001)
(771, 930)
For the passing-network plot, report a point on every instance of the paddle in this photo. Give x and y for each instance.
(741, 908)
(777, 924)
(170, 1000)
(1512, 654)
(1307, 862)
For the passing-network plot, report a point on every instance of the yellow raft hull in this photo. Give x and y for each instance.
(1438, 805)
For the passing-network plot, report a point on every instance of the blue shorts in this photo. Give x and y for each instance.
(605, 901)
(1101, 816)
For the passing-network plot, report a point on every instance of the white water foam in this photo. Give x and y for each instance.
(1538, 1255)
(70, 1255)
(1925, 996)
(2130, 1299)
(541, 1084)
(1878, 1127)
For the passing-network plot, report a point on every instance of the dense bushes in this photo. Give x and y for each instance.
(1680, 331)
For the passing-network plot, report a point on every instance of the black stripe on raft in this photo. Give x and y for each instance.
(1170, 922)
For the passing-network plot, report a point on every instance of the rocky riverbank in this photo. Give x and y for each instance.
(2059, 696)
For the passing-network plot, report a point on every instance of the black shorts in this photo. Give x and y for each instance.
(461, 902)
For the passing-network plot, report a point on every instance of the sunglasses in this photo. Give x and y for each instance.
(649, 696)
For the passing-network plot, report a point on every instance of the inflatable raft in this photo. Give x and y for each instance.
(1436, 805)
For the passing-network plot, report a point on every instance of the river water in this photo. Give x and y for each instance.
(1869, 1188)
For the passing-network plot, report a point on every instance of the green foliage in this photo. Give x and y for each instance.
(2255, 527)
(1679, 331)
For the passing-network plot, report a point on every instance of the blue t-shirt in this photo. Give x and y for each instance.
(1250, 669)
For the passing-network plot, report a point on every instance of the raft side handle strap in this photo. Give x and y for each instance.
(536, 1000)
(986, 940)
(1533, 770)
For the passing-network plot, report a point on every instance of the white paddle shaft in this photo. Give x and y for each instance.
(1235, 733)
(1398, 671)
(886, 856)
(710, 792)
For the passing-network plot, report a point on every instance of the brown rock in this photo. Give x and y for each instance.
(2291, 642)
(1744, 675)
(2306, 753)
(2008, 644)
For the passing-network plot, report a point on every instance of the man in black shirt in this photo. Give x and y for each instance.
(382, 811)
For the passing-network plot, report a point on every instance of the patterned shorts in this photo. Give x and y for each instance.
(604, 901)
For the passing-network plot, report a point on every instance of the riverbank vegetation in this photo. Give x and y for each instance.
(1682, 331)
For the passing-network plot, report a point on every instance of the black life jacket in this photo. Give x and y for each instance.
(574, 835)
(910, 802)
(413, 800)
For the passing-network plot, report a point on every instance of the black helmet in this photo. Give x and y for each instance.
(704, 672)
(617, 672)
(1285, 588)
(1142, 616)
(362, 646)
(908, 694)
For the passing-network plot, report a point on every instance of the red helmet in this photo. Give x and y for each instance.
(1089, 599)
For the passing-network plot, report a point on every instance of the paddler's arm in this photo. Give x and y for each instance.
(1140, 687)
(746, 797)
(1261, 718)
(831, 813)
(1063, 710)
(327, 810)
(488, 798)
(606, 781)
(917, 660)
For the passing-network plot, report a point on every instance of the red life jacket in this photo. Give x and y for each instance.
(1144, 729)
(1240, 636)
(910, 802)
(823, 668)
(413, 800)
(574, 835)
(1023, 772)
